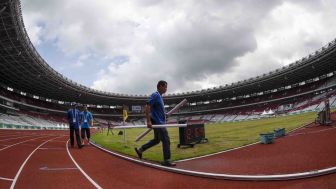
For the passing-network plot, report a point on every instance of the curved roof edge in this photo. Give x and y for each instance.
(318, 62)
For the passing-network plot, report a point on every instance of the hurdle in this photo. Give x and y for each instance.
(153, 126)
(178, 106)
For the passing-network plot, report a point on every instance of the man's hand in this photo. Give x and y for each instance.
(149, 124)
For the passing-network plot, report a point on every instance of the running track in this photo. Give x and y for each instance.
(41, 159)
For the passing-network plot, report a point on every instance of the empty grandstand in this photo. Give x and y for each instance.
(36, 151)
(34, 95)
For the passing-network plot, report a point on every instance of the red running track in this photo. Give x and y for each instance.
(306, 149)
(50, 166)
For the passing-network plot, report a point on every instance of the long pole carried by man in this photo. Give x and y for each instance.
(155, 115)
(176, 108)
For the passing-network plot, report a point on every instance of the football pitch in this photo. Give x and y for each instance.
(221, 136)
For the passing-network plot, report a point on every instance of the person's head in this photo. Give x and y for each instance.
(73, 104)
(162, 86)
(85, 108)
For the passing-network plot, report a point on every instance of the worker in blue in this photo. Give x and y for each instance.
(155, 115)
(73, 118)
(87, 122)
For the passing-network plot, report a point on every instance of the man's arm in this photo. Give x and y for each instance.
(147, 108)
(70, 117)
(80, 118)
(91, 119)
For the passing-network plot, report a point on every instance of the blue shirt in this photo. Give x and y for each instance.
(157, 109)
(86, 119)
(73, 118)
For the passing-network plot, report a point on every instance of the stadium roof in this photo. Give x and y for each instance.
(22, 68)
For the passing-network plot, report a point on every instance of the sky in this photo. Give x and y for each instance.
(127, 46)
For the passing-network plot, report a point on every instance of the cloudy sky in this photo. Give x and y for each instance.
(127, 46)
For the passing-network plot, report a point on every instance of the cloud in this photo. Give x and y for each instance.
(81, 60)
(182, 51)
(191, 44)
(289, 32)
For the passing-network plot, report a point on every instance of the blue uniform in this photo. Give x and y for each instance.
(86, 118)
(73, 117)
(158, 117)
(157, 108)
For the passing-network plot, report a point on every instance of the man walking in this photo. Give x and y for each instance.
(87, 122)
(155, 115)
(73, 118)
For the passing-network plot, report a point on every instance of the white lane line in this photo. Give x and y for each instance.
(24, 163)
(17, 132)
(311, 132)
(3, 136)
(17, 138)
(232, 149)
(52, 148)
(61, 141)
(25, 134)
(8, 179)
(81, 170)
(30, 145)
(57, 169)
(20, 143)
(216, 153)
(259, 177)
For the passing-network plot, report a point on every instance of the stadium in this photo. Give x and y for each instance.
(34, 141)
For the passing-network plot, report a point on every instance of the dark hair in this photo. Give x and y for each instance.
(161, 83)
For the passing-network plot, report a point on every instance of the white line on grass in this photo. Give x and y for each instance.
(237, 148)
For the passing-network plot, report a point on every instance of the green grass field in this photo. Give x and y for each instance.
(221, 137)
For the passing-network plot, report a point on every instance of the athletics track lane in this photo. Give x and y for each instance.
(8, 136)
(304, 150)
(51, 167)
(14, 153)
(12, 158)
(113, 172)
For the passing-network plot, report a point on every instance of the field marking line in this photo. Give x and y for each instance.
(311, 132)
(258, 177)
(80, 169)
(17, 138)
(52, 148)
(10, 135)
(45, 168)
(7, 179)
(237, 148)
(20, 143)
(216, 153)
(24, 163)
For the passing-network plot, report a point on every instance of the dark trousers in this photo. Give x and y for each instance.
(160, 134)
(72, 132)
(85, 131)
